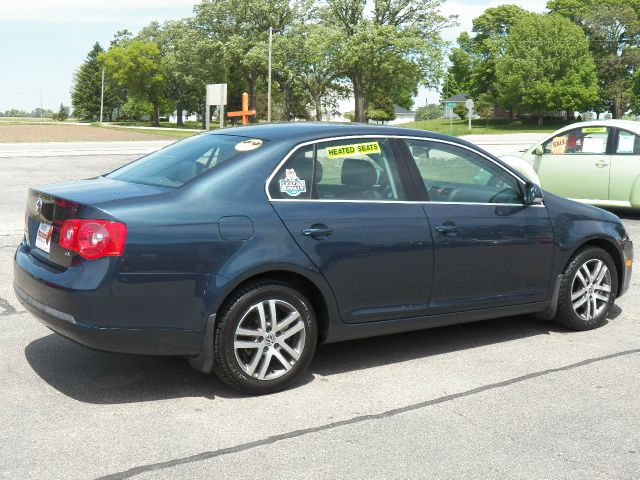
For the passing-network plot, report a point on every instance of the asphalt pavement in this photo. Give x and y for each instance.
(514, 398)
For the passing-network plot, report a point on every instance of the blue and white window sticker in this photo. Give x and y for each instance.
(291, 184)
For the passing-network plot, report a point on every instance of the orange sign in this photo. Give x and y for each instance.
(558, 145)
(245, 113)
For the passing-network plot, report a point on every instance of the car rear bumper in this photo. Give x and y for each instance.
(100, 312)
(147, 341)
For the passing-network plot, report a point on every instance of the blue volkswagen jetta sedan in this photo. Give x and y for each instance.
(245, 248)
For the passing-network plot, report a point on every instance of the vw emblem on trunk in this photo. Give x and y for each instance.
(38, 206)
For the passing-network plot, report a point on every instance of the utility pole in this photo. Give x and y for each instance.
(41, 113)
(269, 80)
(102, 96)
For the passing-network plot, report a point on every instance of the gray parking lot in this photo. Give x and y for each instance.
(513, 398)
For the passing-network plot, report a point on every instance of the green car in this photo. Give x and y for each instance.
(596, 162)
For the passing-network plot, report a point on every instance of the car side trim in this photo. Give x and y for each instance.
(606, 203)
(402, 137)
(409, 202)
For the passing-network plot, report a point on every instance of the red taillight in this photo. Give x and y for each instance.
(93, 238)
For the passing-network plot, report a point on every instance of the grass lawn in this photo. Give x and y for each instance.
(460, 127)
(154, 131)
(187, 124)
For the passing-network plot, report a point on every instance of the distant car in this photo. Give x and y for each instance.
(596, 162)
(244, 248)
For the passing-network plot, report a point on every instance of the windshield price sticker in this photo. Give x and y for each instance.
(594, 130)
(354, 149)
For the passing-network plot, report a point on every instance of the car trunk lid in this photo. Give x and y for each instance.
(50, 205)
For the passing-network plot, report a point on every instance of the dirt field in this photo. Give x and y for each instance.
(70, 133)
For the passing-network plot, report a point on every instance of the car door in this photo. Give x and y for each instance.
(624, 179)
(490, 250)
(576, 164)
(350, 206)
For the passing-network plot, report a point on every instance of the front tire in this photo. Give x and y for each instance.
(588, 290)
(265, 338)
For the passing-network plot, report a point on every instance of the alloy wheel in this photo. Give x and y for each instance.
(591, 289)
(269, 339)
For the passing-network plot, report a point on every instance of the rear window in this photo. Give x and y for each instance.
(176, 164)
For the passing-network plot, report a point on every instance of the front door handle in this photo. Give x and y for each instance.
(317, 231)
(601, 164)
(447, 228)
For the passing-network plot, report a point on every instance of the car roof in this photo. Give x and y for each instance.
(630, 125)
(305, 131)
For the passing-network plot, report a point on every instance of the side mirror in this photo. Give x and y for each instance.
(538, 150)
(532, 194)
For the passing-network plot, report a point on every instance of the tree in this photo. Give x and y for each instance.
(137, 65)
(244, 27)
(484, 107)
(473, 62)
(86, 89)
(613, 30)
(460, 110)
(189, 61)
(63, 113)
(382, 109)
(389, 51)
(430, 111)
(546, 66)
(307, 56)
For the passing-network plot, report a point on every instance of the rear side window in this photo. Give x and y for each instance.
(183, 161)
(352, 169)
(628, 143)
(578, 141)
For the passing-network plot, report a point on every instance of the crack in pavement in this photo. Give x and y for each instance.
(355, 420)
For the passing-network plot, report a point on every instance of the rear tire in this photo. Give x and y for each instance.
(588, 290)
(265, 338)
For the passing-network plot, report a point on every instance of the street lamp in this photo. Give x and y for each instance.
(269, 81)
(102, 96)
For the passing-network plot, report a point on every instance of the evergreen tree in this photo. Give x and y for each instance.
(85, 93)
(63, 113)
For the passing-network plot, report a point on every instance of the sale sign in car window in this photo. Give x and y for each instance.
(558, 145)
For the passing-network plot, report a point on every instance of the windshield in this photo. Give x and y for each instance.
(176, 164)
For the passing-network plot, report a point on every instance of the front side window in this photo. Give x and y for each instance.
(351, 169)
(578, 141)
(176, 164)
(455, 174)
(628, 143)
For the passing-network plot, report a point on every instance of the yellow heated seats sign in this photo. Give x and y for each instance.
(353, 149)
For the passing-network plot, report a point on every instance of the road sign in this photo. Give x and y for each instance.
(451, 104)
(217, 96)
(469, 104)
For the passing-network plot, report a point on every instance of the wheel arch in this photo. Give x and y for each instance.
(303, 283)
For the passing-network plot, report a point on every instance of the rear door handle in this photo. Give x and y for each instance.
(601, 164)
(317, 231)
(447, 228)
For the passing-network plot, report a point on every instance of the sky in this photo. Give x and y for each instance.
(42, 42)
